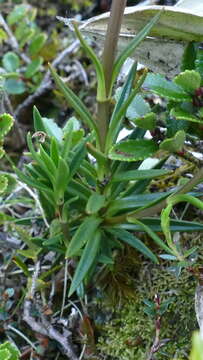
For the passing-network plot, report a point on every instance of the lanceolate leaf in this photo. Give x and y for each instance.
(133, 150)
(85, 232)
(75, 102)
(95, 203)
(101, 91)
(139, 175)
(132, 240)
(87, 259)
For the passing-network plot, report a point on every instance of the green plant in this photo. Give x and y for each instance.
(6, 123)
(8, 351)
(96, 206)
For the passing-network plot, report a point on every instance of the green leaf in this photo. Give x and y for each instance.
(88, 257)
(95, 203)
(197, 347)
(101, 89)
(75, 102)
(175, 225)
(6, 123)
(11, 61)
(61, 183)
(30, 181)
(133, 202)
(133, 150)
(130, 48)
(151, 233)
(85, 232)
(146, 122)
(138, 108)
(166, 88)
(46, 125)
(5, 354)
(14, 353)
(33, 67)
(54, 151)
(118, 115)
(189, 80)
(180, 114)
(37, 43)
(17, 13)
(175, 143)
(14, 86)
(3, 183)
(139, 174)
(132, 240)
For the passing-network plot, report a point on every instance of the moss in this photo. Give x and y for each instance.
(129, 335)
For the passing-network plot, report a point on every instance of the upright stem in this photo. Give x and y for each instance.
(111, 40)
(110, 46)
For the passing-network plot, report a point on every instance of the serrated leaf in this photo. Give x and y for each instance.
(133, 241)
(6, 123)
(147, 122)
(11, 61)
(180, 114)
(133, 150)
(189, 80)
(95, 203)
(37, 43)
(33, 67)
(175, 143)
(88, 257)
(138, 108)
(166, 88)
(14, 86)
(85, 232)
(139, 175)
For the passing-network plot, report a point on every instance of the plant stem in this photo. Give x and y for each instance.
(109, 52)
(111, 40)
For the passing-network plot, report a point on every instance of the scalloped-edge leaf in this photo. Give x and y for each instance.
(146, 122)
(181, 114)
(166, 88)
(175, 143)
(133, 150)
(6, 123)
(189, 80)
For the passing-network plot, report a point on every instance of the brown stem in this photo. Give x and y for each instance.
(111, 40)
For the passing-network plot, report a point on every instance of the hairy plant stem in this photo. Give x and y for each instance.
(109, 52)
(197, 178)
